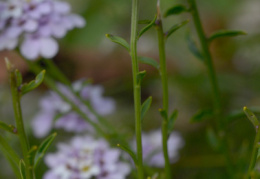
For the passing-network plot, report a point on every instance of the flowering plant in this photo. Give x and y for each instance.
(80, 129)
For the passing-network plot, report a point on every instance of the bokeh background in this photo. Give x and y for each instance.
(86, 53)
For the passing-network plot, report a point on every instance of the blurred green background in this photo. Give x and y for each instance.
(86, 53)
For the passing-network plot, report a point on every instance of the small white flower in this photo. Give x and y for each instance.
(85, 158)
(152, 147)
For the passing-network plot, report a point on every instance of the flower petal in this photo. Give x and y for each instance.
(30, 25)
(77, 20)
(30, 48)
(42, 123)
(48, 47)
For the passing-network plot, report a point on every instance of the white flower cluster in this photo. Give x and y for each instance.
(85, 158)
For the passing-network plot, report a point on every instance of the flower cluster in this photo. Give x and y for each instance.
(85, 158)
(152, 148)
(54, 110)
(37, 23)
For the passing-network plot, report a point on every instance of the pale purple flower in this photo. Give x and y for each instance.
(7, 43)
(84, 158)
(152, 148)
(36, 24)
(32, 47)
(55, 112)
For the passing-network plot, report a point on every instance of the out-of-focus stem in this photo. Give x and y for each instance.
(10, 155)
(213, 80)
(51, 84)
(60, 76)
(254, 153)
(206, 55)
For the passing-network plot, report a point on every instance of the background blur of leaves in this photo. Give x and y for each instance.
(87, 53)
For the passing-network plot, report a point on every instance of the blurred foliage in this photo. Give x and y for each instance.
(87, 53)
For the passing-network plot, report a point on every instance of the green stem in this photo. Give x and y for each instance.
(254, 153)
(16, 95)
(52, 85)
(206, 55)
(57, 73)
(137, 89)
(213, 80)
(164, 79)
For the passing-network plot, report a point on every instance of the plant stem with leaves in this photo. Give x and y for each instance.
(205, 42)
(206, 54)
(136, 88)
(16, 95)
(164, 79)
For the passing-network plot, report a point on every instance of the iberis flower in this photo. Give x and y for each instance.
(85, 158)
(152, 148)
(55, 112)
(35, 25)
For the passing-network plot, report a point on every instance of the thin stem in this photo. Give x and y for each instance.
(213, 80)
(137, 89)
(164, 79)
(52, 85)
(57, 73)
(207, 55)
(61, 77)
(254, 153)
(16, 95)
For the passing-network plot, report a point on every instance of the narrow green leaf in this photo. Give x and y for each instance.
(194, 48)
(7, 150)
(226, 33)
(145, 106)
(8, 128)
(202, 115)
(31, 154)
(144, 21)
(140, 76)
(22, 169)
(163, 114)
(9, 65)
(146, 28)
(212, 139)
(175, 28)
(19, 78)
(149, 61)
(258, 153)
(129, 151)
(251, 116)
(33, 84)
(119, 40)
(175, 10)
(15, 167)
(172, 120)
(43, 148)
